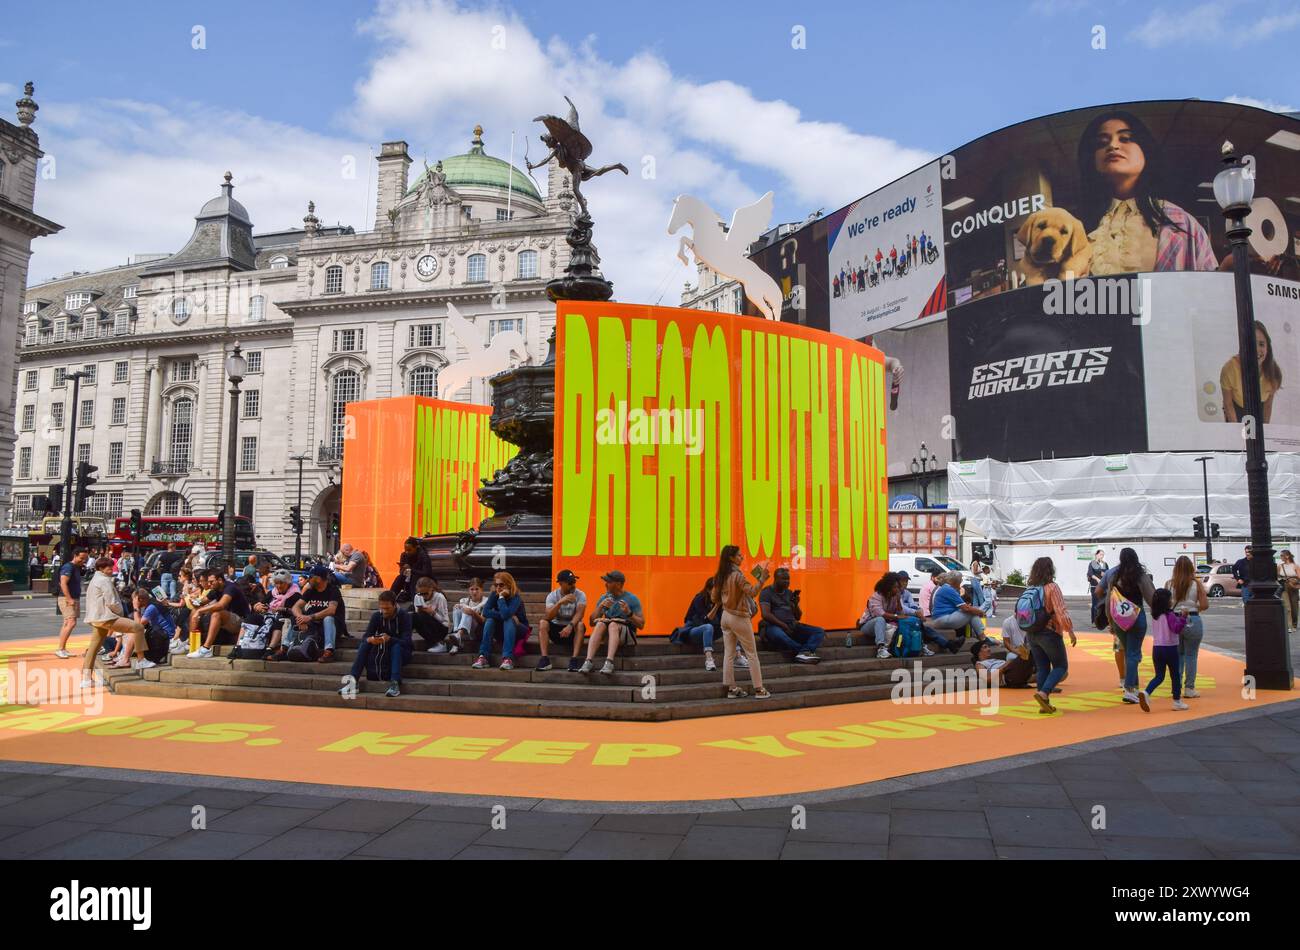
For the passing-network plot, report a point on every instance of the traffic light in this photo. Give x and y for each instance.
(85, 478)
(52, 503)
(1214, 529)
(1198, 526)
(295, 518)
(137, 524)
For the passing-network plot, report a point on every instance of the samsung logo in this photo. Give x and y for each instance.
(102, 903)
(1290, 291)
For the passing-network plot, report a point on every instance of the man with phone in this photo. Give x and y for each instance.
(618, 613)
(388, 636)
(782, 613)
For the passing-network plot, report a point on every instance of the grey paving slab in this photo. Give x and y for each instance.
(229, 798)
(1148, 761)
(604, 844)
(166, 820)
(719, 842)
(374, 817)
(309, 843)
(758, 818)
(108, 813)
(480, 853)
(944, 848)
(1039, 774)
(1136, 819)
(1268, 793)
(432, 840)
(296, 800)
(1270, 771)
(1037, 827)
(465, 814)
(925, 822)
(1094, 790)
(1275, 744)
(1184, 783)
(263, 819)
(939, 798)
(100, 845)
(795, 850)
(153, 795)
(1192, 804)
(847, 827)
(35, 810)
(28, 842)
(1015, 853)
(205, 845)
(1023, 793)
(24, 784)
(1137, 848)
(1245, 832)
(545, 831)
(650, 824)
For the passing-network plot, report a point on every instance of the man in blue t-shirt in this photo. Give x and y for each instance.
(949, 612)
(617, 613)
(69, 595)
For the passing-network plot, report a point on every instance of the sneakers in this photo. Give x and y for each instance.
(807, 657)
(587, 666)
(1130, 697)
(742, 661)
(326, 656)
(481, 663)
(143, 664)
(202, 653)
(574, 666)
(543, 664)
(1189, 693)
(453, 645)
(608, 668)
(437, 648)
(883, 653)
(762, 693)
(392, 691)
(1142, 700)
(736, 692)
(176, 647)
(1180, 705)
(278, 654)
(508, 663)
(63, 654)
(709, 665)
(87, 682)
(927, 651)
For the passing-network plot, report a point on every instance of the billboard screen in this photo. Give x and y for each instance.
(797, 262)
(678, 432)
(885, 260)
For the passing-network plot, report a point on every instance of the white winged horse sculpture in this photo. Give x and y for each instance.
(482, 360)
(724, 252)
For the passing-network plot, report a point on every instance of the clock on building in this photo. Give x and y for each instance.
(427, 267)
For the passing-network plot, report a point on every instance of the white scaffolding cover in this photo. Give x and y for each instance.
(1153, 495)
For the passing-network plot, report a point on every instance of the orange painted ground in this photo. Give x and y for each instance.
(741, 756)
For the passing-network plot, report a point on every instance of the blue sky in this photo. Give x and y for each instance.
(715, 93)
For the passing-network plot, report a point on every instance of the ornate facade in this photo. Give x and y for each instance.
(455, 260)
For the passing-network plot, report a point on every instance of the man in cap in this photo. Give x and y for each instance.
(565, 608)
(619, 614)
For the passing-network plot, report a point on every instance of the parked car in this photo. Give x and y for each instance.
(1219, 581)
(918, 566)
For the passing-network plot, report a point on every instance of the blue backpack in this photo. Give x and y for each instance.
(1031, 611)
(907, 640)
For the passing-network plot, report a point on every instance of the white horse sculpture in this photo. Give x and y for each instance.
(724, 252)
(482, 359)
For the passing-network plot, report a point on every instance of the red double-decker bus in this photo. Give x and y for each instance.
(158, 532)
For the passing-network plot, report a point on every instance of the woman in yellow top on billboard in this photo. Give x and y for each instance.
(1270, 379)
(1131, 227)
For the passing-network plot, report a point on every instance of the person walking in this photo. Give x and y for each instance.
(1130, 590)
(69, 595)
(736, 600)
(1047, 646)
(1189, 600)
(1165, 628)
(1289, 576)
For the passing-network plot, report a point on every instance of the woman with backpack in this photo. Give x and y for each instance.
(1189, 601)
(1127, 588)
(1041, 615)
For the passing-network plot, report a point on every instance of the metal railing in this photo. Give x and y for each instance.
(329, 454)
(78, 335)
(170, 467)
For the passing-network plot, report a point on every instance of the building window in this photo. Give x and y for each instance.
(52, 461)
(25, 462)
(83, 453)
(122, 323)
(245, 507)
(379, 275)
(527, 265)
(29, 338)
(120, 370)
(182, 432)
(29, 380)
(349, 341)
(183, 371)
(424, 335)
(115, 453)
(180, 310)
(347, 388)
(56, 415)
(168, 504)
(29, 418)
(129, 291)
(476, 271)
(504, 215)
(60, 330)
(114, 501)
(738, 301)
(75, 301)
(422, 381)
(468, 211)
(86, 416)
(501, 326)
(119, 411)
(252, 403)
(256, 309)
(30, 308)
(90, 374)
(334, 279)
(60, 377)
(254, 362)
(88, 327)
(279, 262)
(248, 453)
(99, 504)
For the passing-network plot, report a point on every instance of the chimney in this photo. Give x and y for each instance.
(394, 163)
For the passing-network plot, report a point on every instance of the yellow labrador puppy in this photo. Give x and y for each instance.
(1056, 247)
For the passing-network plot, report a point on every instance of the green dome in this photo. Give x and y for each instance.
(478, 169)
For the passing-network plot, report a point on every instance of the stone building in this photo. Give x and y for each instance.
(429, 299)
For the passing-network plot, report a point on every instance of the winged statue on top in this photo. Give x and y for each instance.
(571, 148)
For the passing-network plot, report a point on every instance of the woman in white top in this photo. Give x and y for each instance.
(104, 614)
(1190, 599)
(1289, 575)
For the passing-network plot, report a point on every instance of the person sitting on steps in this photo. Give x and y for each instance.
(388, 635)
(950, 612)
(503, 614)
(618, 614)
(696, 626)
(565, 607)
(782, 612)
(429, 615)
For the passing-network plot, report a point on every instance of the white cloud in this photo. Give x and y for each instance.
(1260, 103)
(1224, 21)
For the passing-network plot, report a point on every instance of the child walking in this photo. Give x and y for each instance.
(1165, 629)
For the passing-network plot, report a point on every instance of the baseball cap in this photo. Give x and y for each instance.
(566, 576)
(614, 577)
(319, 570)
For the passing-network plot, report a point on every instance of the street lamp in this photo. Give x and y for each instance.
(297, 521)
(1268, 648)
(236, 367)
(923, 470)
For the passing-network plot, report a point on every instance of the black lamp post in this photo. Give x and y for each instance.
(297, 525)
(236, 366)
(924, 469)
(1268, 648)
